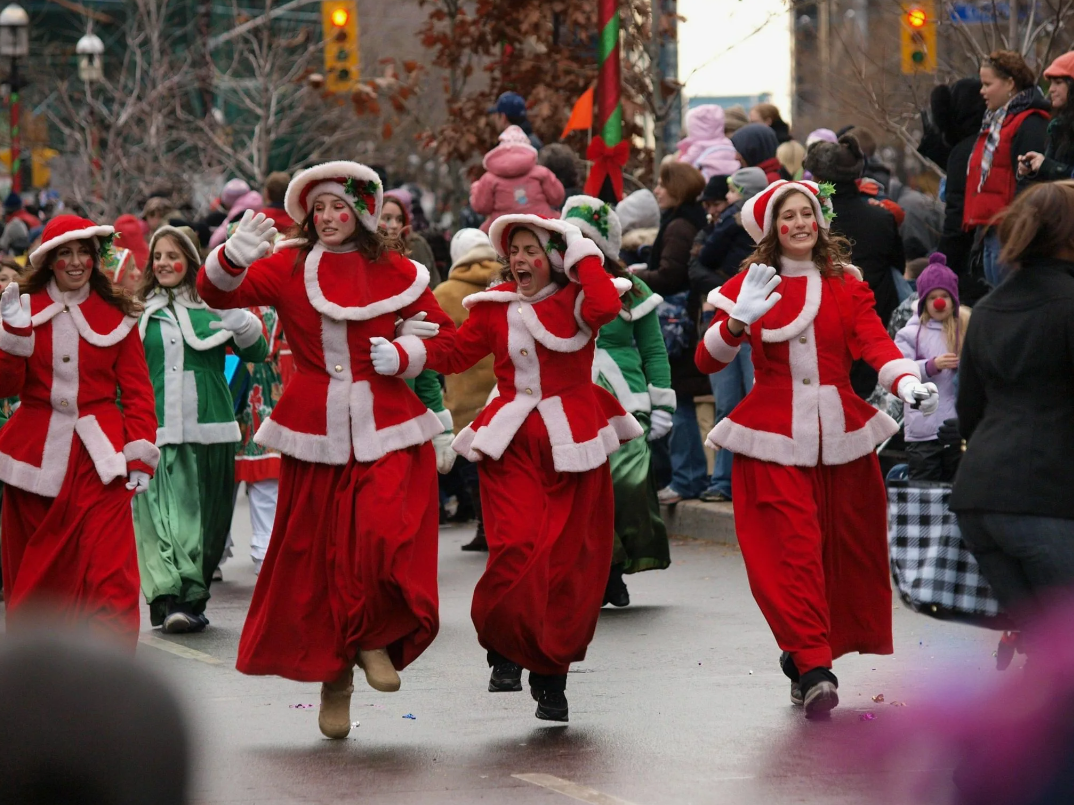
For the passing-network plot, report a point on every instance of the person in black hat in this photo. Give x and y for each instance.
(510, 110)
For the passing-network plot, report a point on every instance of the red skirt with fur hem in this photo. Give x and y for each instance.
(351, 565)
(73, 557)
(550, 537)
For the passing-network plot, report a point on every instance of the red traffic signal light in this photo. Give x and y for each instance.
(917, 18)
(340, 17)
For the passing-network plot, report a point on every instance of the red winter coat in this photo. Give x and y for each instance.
(543, 349)
(65, 371)
(330, 304)
(515, 183)
(802, 410)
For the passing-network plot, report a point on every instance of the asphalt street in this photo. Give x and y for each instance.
(680, 701)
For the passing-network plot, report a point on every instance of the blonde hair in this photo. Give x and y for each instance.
(954, 328)
(791, 156)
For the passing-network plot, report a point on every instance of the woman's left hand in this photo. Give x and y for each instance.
(385, 357)
(417, 326)
(445, 455)
(138, 481)
(923, 396)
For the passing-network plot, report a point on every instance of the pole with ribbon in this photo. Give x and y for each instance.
(607, 151)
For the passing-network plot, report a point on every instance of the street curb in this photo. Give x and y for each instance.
(713, 522)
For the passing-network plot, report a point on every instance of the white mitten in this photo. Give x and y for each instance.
(251, 241)
(755, 296)
(923, 396)
(659, 425)
(138, 481)
(445, 456)
(416, 325)
(237, 321)
(15, 307)
(385, 357)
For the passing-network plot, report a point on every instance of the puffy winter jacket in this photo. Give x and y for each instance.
(515, 183)
(707, 147)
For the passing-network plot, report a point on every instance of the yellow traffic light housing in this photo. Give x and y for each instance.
(340, 25)
(918, 37)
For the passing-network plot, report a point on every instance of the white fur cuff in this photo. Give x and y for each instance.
(662, 398)
(445, 420)
(414, 349)
(891, 371)
(219, 276)
(717, 346)
(578, 251)
(142, 450)
(249, 335)
(19, 346)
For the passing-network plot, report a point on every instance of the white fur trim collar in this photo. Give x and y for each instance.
(805, 315)
(69, 302)
(642, 308)
(364, 313)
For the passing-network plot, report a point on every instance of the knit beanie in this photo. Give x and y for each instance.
(836, 162)
(470, 245)
(937, 277)
(715, 189)
(748, 182)
(639, 210)
(821, 136)
(232, 192)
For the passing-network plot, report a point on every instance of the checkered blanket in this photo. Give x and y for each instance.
(933, 570)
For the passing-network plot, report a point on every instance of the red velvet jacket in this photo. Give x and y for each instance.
(65, 369)
(330, 304)
(543, 350)
(802, 410)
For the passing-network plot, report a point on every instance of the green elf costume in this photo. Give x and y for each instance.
(182, 521)
(631, 362)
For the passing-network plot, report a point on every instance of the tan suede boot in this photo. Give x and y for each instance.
(379, 671)
(335, 716)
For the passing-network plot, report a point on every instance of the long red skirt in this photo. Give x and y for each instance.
(351, 565)
(814, 540)
(72, 557)
(550, 537)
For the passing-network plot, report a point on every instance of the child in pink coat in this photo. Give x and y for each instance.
(514, 182)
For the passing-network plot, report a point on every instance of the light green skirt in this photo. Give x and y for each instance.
(641, 539)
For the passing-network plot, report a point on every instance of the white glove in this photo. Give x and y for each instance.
(138, 481)
(251, 241)
(385, 357)
(659, 425)
(755, 295)
(445, 456)
(15, 308)
(923, 396)
(237, 320)
(416, 325)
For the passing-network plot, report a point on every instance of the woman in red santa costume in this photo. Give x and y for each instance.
(350, 572)
(71, 458)
(810, 505)
(543, 445)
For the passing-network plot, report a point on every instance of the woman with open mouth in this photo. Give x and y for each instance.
(182, 522)
(542, 445)
(71, 458)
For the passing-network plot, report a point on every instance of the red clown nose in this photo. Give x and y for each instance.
(940, 305)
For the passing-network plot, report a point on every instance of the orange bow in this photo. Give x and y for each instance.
(607, 163)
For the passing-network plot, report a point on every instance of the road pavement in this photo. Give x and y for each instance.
(679, 701)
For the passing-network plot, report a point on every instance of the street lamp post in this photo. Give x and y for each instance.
(90, 52)
(15, 44)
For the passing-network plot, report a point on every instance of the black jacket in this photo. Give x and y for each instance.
(1016, 396)
(1059, 152)
(723, 247)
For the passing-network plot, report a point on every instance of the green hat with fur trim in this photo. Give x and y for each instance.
(598, 222)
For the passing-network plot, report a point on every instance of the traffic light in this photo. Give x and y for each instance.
(340, 22)
(918, 33)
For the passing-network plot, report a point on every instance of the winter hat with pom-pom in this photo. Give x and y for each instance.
(598, 222)
(836, 162)
(937, 277)
(470, 246)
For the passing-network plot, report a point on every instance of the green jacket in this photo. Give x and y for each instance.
(186, 364)
(427, 387)
(631, 360)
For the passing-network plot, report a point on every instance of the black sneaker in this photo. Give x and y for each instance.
(551, 704)
(506, 678)
(478, 543)
(615, 592)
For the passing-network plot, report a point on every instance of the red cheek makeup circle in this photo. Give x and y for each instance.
(538, 263)
(61, 265)
(177, 266)
(316, 219)
(344, 217)
(783, 230)
(814, 226)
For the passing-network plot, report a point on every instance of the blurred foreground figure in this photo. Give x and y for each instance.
(79, 723)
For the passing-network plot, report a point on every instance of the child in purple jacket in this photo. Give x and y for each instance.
(934, 339)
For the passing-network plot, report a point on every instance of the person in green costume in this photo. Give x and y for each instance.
(631, 362)
(182, 521)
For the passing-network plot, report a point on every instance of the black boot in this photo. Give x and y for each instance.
(549, 691)
(506, 675)
(478, 543)
(615, 591)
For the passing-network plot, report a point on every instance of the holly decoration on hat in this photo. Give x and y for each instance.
(105, 249)
(825, 191)
(595, 217)
(556, 243)
(364, 194)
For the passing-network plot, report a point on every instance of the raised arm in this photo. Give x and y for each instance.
(584, 263)
(16, 340)
(238, 274)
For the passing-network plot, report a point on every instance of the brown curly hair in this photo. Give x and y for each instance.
(113, 295)
(1009, 64)
(830, 253)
